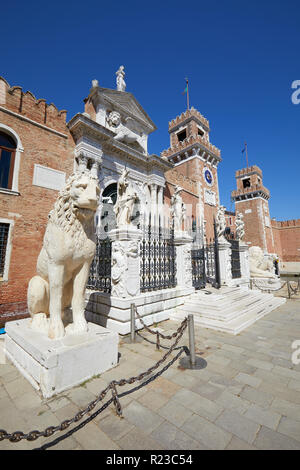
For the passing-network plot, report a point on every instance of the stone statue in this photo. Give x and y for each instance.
(240, 226)
(177, 209)
(221, 222)
(125, 201)
(259, 266)
(127, 134)
(121, 85)
(64, 262)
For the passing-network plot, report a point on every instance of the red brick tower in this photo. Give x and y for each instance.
(195, 166)
(251, 199)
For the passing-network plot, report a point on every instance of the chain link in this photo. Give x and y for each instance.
(17, 436)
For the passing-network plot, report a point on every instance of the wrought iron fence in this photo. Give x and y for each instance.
(198, 268)
(235, 257)
(158, 259)
(100, 271)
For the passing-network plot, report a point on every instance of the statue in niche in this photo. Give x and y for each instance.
(63, 264)
(259, 265)
(121, 85)
(221, 222)
(126, 199)
(128, 134)
(178, 209)
(240, 226)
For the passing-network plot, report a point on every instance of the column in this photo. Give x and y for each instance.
(183, 246)
(244, 263)
(224, 248)
(153, 209)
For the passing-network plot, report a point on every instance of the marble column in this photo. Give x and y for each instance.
(183, 244)
(244, 263)
(224, 248)
(153, 187)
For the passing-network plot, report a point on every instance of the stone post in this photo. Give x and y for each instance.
(225, 261)
(183, 243)
(244, 263)
(125, 261)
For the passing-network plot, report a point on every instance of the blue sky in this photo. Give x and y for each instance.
(240, 57)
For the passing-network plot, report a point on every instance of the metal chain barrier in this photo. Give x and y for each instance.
(291, 290)
(35, 434)
(253, 283)
(158, 334)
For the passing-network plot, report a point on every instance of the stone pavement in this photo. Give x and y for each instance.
(246, 398)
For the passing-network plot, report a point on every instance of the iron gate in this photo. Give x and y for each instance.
(100, 271)
(198, 268)
(158, 259)
(235, 258)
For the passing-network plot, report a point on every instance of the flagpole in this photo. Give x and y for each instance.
(187, 94)
(246, 154)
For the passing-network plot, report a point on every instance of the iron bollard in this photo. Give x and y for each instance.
(132, 323)
(192, 340)
(191, 361)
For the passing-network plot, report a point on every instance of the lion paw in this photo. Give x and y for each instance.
(77, 327)
(56, 329)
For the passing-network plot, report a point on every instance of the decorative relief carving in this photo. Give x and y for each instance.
(210, 197)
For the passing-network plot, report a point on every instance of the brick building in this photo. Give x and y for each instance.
(281, 237)
(36, 155)
(195, 162)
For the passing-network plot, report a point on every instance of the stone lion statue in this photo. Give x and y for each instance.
(259, 266)
(127, 134)
(64, 261)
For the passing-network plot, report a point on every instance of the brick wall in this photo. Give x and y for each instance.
(287, 239)
(46, 141)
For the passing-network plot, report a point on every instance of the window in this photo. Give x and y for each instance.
(200, 132)
(246, 183)
(7, 160)
(4, 231)
(181, 135)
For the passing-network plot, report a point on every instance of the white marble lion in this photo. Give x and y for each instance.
(64, 261)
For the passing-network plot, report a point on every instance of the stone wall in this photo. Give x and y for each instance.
(287, 239)
(42, 139)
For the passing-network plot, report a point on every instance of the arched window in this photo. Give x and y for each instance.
(7, 160)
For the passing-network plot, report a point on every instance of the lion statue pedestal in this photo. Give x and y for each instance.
(262, 271)
(50, 353)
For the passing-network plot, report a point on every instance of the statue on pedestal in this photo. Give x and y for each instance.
(64, 262)
(127, 197)
(240, 226)
(221, 223)
(121, 85)
(178, 209)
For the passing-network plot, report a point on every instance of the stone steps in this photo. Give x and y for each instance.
(230, 309)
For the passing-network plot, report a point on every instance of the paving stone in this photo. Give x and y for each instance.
(114, 427)
(172, 438)
(186, 380)
(237, 424)
(290, 373)
(168, 387)
(18, 387)
(153, 400)
(175, 413)
(286, 408)
(267, 439)
(66, 412)
(207, 433)
(282, 392)
(232, 402)
(248, 379)
(137, 440)
(142, 417)
(28, 401)
(264, 417)
(270, 377)
(260, 364)
(238, 444)
(293, 384)
(289, 427)
(90, 437)
(80, 396)
(257, 397)
(200, 405)
(207, 390)
(218, 359)
(58, 402)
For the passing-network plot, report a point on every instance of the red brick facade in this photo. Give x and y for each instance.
(42, 138)
(193, 155)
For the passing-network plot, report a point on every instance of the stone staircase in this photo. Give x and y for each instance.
(229, 309)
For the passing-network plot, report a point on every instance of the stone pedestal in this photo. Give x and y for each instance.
(265, 284)
(244, 263)
(225, 262)
(183, 243)
(125, 269)
(53, 366)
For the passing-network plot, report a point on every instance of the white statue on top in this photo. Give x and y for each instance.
(121, 85)
(221, 222)
(125, 201)
(240, 226)
(177, 209)
(259, 265)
